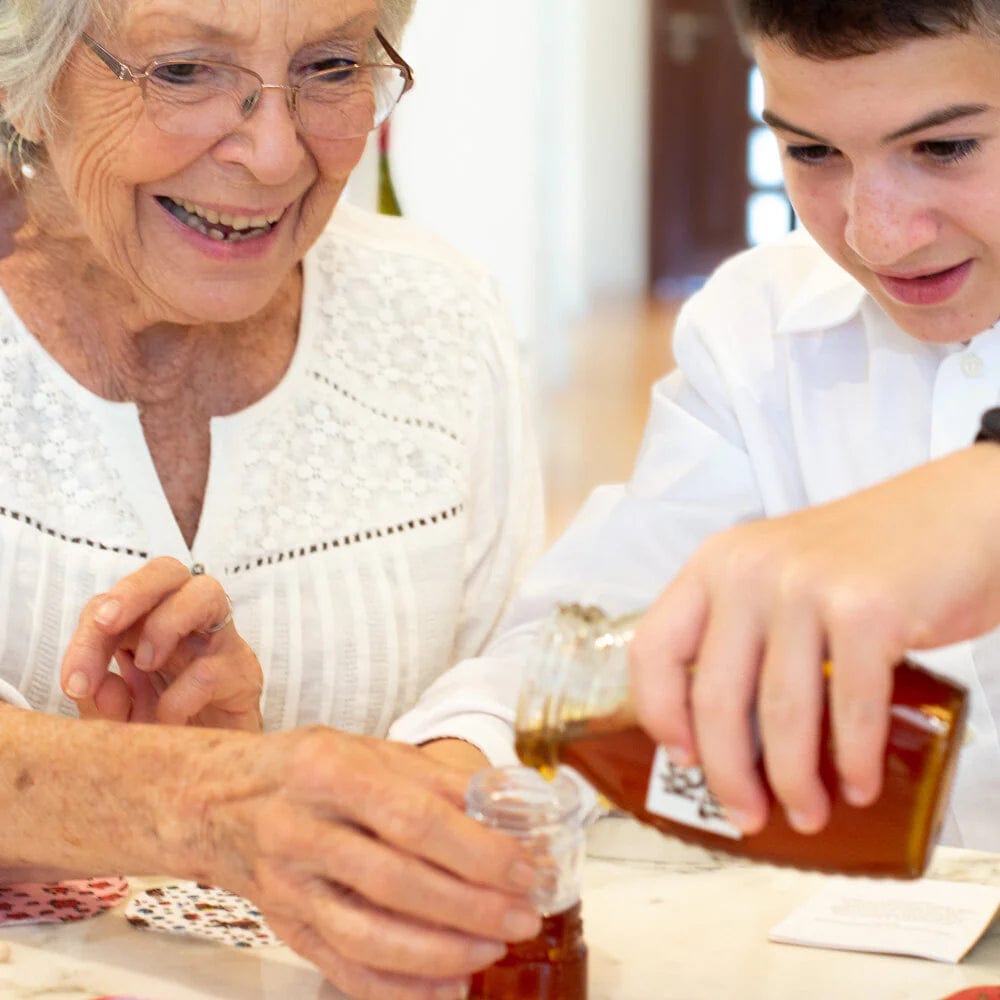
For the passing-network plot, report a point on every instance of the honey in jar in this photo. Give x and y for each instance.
(551, 966)
(574, 709)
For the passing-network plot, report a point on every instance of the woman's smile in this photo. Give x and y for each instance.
(218, 225)
(223, 235)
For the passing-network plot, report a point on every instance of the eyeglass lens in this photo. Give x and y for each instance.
(205, 99)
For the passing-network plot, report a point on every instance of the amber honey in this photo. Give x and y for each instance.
(892, 837)
(551, 966)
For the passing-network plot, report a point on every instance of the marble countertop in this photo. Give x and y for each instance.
(663, 922)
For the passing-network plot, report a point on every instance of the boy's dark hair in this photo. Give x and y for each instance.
(837, 29)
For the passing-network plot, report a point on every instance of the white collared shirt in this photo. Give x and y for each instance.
(793, 387)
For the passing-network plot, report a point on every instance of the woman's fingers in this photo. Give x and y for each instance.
(107, 618)
(198, 607)
(353, 977)
(178, 653)
(407, 884)
(406, 800)
(227, 684)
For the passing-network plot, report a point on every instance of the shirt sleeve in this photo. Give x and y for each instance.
(471, 701)
(11, 695)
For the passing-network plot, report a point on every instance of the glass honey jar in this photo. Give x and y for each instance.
(548, 817)
(574, 709)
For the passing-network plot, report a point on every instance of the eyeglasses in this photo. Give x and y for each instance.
(201, 98)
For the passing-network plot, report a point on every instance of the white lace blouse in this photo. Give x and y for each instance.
(370, 517)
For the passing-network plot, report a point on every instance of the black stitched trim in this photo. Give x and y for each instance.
(345, 540)
(73, 540)
(409, 421)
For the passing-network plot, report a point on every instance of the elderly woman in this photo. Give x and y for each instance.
(286, 453)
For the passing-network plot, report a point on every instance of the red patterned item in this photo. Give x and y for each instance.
(203, 911)
(59, 902)
(976, 993)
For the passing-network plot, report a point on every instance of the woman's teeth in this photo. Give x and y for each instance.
(219, 225)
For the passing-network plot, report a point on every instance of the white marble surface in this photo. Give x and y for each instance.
(663, 922)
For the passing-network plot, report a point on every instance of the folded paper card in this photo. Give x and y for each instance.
(59, 902)
(926, 918)
(204, 911)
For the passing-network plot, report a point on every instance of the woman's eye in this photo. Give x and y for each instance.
(183, 73)
(810, 155)
(339, 67)
(949, 150)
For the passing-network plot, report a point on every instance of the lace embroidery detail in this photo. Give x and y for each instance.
(53, 454)
(409, 421)
(359, 536)
(380, 427)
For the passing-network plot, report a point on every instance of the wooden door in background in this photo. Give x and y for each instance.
(701, 125)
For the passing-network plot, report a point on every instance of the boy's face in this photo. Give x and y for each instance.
(892, 162)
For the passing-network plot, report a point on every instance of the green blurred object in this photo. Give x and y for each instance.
(388, 203)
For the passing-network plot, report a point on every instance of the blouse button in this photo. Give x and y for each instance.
(972, 366)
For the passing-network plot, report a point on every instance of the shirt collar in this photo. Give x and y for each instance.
(827, 295)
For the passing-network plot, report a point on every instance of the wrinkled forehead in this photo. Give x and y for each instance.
(243, 20)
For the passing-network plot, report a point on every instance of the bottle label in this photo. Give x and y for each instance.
(680, 794)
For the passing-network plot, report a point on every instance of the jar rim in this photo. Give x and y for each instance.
(519, 798)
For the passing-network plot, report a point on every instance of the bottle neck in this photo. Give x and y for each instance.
(580, 673)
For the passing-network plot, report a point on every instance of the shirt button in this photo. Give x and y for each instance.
(972, 366)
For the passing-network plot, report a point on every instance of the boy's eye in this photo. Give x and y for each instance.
(810, 155)
(949, 150)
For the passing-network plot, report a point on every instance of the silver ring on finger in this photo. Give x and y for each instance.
(219, 626)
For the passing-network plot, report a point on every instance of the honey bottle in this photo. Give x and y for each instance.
(574, 708)
(548, 817)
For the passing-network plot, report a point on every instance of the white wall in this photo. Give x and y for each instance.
(616, 143)
(524, 143)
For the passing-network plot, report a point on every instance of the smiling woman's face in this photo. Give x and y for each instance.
(147, 201)
(892, 162)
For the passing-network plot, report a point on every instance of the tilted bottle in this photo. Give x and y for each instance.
(548, 818)
(575, 709)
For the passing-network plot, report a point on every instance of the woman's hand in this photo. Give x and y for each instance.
(358, 853)
(456, 753)
(179, 656)
(912, 563)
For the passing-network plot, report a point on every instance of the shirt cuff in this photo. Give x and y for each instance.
(11, 695)
(489, 734)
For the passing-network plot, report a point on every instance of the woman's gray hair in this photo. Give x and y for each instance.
(36, 38)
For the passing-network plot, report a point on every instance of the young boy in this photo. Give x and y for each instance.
(855, 350)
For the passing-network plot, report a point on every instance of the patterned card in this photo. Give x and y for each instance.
(59, 902)
(201, 911)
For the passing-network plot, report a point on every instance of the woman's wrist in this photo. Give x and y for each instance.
(100, 797)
